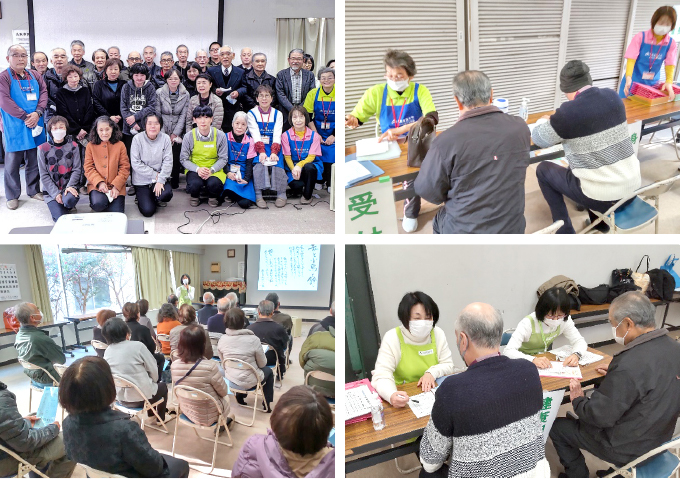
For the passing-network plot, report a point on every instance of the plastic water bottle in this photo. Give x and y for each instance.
(502, 104)
(524, 109)
(377, 413)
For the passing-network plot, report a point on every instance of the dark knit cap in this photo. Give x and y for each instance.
(574, 76)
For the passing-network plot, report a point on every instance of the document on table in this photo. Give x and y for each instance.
(357, 402)
(355, 171)
(557, 370)
(370, 146)
(421, 404)
(564, 352)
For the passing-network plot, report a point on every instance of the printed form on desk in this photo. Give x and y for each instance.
(370, 146)
(564, 352)
(423, 406)
(558, 370)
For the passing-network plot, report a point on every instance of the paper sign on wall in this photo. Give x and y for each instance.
(551, 404)
(21, 37)
(369, 209)
(9, 283)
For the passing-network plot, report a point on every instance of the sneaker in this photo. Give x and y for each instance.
(261, 203)
(38, 196)
(131, 191)
(12, 204)
(266, 407)
(280, 202)
(409, 224)
(241, 400)
(601, 227)
(231, 420)
(305, 201)
(318, 186)
(213, 202)
(83, 190)
(194, 201)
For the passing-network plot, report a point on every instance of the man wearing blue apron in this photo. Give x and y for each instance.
(23, 99)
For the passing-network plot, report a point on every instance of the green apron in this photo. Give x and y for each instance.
(538, 341)
(415, 360)
(184, 297)
(204, 154)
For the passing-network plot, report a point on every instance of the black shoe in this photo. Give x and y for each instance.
(266, 407)
(605, 472)
(241, 400)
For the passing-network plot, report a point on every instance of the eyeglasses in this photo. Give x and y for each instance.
(214, 50)
(167, 60)
(295, 59)
(19, 55)
(134, 59)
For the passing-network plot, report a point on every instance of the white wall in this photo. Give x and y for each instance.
(14, 17)
(14, 254)
(505, 276)
(228, 266)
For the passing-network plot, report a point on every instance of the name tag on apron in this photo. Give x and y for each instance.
(236, 169)
(648, 76)
(426, 353)
(265, 140)
(31, 96)
(325, 126)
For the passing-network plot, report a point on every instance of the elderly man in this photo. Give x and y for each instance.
(504, 397)
(35, 345)
(167, 64)
(636, 406)
(271, 333)
(174, 300)
(229, 86)
(326, 323)
(182, 63)
(43, 447)
(78, 52)
(54, 81)
(282, 318)
(593, 129)
(255, 77)
(293, 84)
(233, 297)
(208, 310)
(216, 321)
(478, 166)
(23, 100)
(150, 60)
(246, 60)
(318, 354)
(202, 60)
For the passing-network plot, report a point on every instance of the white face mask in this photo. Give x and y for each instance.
(398, 85)
(553, 323)
(661, 29)
(621, 341)
(420, 328)
(185, 281)
(58, 135)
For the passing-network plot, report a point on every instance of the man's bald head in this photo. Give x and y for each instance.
(482, 323)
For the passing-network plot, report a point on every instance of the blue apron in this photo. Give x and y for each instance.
(267, 131)
(408, 113)
(17, 136)
(302, 154)
(642, 64)
(238, 153)
(327, 151)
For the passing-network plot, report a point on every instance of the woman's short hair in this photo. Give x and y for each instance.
(240, 115)
(308, 58)
(202, 110)
(139, 68)
(143, 305)
(400, 59)
(325, 70)
(130, 311)
(103, 315)
(195, 66)
(410, 300)
(328, 63)
(111, 62)
(116, 134)
(191, 343)
(170, 72)
(87, 386)
(181, 278)
(552, 301)
(667, 11)
(100, 50)
(70, 68)
(187, 314)
(154, 115)
(57, 119)
(300, 109)
(115, 331)
(167, 312)
(302, 420)
(204, 76)
(234, 318)
(264, 89)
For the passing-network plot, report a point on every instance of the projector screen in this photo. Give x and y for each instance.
(289, 268)
(301, 277)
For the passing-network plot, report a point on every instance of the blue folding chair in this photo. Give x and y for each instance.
(659, 462)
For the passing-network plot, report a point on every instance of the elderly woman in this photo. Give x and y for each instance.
(187, 316)
(320, 104)
(189, 81)
(106, 93)
(173, 106)
(168, 319)
(99, 58)
(137, 100)
(192, 369)
(397, 105)
(185, 292)
(239, 184)
(107, 167)
(151, 161)
(205, 98)
(243, 345)
(74, 102)
(139, 332)
(143, 305)
(102, 316)
(415, 351)
(301, 148)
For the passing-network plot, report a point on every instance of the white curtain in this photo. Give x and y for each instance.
(316, 37)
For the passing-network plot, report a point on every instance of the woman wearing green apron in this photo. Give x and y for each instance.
(416, 351)
(185, 292)
(535, 333)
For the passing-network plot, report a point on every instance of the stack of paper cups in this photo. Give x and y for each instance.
(502, 104)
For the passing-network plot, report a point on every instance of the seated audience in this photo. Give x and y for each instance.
(187, 316)
(535, 333)
(189, 81)
(205, 98)
(87, 392)
(173, 106)
(478, 175)
(503, 395)
(254, 78)
(326, 323)
(141, 333)
(205, 151)
(302, 152)
(242, 344)
(102, 316)
(282, 318)
(415, 351)
(318, 354)
(151, 163)
(137, 100)
(216, 322)
(74, 102)
(174, 300)
(60, 168)
(593, 130)
(320, 104)
(636, 406)
(168, 319)
(185, 292)
(106, 93)
(143, 306)
(297, 444)
(209, 309)
(271, 333)
(43, 446)
(36, 346)
(107, 167)
(192, 369)
(132, 361)
(238, 187)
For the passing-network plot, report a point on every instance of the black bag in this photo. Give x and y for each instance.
(661, 284)
(621, 288)
(596, 295)
(622, 276)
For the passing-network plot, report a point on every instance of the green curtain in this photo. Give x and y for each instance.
(188, 263)
(152, 275)
(38, 278)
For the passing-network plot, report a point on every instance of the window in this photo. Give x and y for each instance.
(86, 278)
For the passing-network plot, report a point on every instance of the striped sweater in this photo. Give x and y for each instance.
(594, 133)
(485, 421)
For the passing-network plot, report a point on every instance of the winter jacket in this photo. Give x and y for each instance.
(325, 324)
(98, 336)
(318, 354)
(214, 102)
(205, 313)
(174, 340)
(35, 346)
(206, 377)
(139, 332)
(252, 81)
(261, 456)
(16, 432)
(274, 335)
(106, 162)
(284, 320)
(110, 441)
(150, 160)
(59, 171)
(106, 101)
(244, 345)
(138, 102)
(76, 107)
(174, 119)
(235, 82)
(54, 82)
(92, 77)
(132, 361)
(84, 66)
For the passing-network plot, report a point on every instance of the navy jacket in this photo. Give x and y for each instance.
(236, 84)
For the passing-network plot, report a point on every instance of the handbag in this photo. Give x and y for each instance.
(596, 295)
(418, 141)
(621, 276)
(668, 265)
(11, 321)
(642, 279)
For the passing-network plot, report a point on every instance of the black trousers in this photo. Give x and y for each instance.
(213, 185)
(99, 202)
(176, 467)
(176, 165)
(327, 173)
(244, 203)
(271, 360)
(160, 361)
(147, 201)
(161, 393)
(267, 386)
(441, 472)
(305, 185)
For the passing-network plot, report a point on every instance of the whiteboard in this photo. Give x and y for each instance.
(127, 24)
(289, 267)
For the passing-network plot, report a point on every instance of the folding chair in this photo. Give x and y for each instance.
(96, 473)
(277, 370)
(187, 392)
(322, 376)
(238, 364)
(33, 386)
(140, 412)
(659, 462)
(98, 345)
(550, 230)
(507, 334)
(24, 467)
(214, 339)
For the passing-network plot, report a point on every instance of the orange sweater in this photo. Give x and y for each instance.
(164, 328)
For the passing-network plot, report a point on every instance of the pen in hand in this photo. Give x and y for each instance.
(415, 401)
